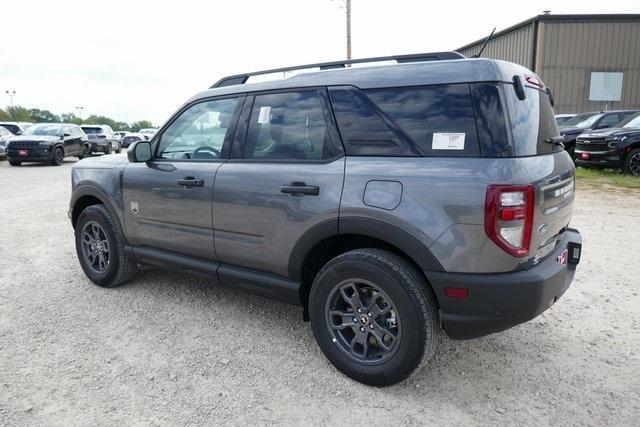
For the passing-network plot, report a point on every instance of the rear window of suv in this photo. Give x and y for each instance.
(532, 122)
(92, 130)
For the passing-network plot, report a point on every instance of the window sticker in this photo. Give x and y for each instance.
(448, 141)
(263, 117)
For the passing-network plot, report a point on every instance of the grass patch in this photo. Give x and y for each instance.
(601, 177)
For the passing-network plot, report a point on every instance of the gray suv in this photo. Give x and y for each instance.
(390, 202)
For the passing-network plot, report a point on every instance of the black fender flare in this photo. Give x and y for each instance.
(380, 230)
(93, 191)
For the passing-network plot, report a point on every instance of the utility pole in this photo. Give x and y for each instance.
(79, 108)
(348, 29)
(11, 94)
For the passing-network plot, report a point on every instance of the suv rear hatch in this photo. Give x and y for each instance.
(537, 143)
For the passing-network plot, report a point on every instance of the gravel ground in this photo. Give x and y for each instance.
(169, 349)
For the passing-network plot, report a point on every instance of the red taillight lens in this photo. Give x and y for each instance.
(508, 217)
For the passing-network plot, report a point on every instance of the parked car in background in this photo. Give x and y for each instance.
(617, 147)
(131, 137)
(120, 133)
(312, 190)
(4, 137)
(16, 128)
(148, 132)
(47, 143)
(561, 118)
(102, 138)
(589, 121)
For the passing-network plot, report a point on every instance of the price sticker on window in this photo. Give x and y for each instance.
(448, 141)
(263, 117)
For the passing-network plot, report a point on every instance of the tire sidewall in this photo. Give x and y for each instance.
(410, 350)
(55, 156)
(628, 161)
(93, 214)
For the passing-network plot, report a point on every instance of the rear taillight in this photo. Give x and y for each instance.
(508, 217)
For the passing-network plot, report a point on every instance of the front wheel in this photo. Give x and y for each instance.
(373, 316)
(58, 157)
(100, 248)
(632, 163)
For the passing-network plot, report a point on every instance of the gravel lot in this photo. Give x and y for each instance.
(169, 349)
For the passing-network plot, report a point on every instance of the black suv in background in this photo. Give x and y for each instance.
(590, 121)
(617, 147)
(47, 143)
(102, 138)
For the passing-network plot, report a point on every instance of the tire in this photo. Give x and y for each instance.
(119, 148)
(108, 149)
(410, 307)
(84, 152)
(119, 268)
(58, 156)
(632, 162)
(15, 162)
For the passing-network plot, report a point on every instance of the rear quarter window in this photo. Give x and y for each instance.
(407, 121)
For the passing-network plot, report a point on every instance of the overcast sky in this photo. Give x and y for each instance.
(134, 59)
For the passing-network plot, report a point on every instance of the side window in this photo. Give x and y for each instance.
(363, 127)
(289, 126)
(67, 130)
(438, 119)
(608, 121)
(199, 132)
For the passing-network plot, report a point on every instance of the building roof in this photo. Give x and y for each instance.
(558, 18)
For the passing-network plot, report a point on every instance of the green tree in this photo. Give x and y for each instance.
(140, 125)
(43, 116)
(19, 114)
(70, 118)
(4, 116)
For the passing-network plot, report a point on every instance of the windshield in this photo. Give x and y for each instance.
(632, 121)
(583, 121)
(44, 130)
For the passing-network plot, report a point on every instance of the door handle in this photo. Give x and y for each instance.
(300, 188)
(191, 182)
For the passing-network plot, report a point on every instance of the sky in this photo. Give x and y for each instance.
(135, 60)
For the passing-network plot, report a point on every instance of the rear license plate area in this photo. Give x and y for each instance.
(574, 252)
(23, 152)
(585, 156)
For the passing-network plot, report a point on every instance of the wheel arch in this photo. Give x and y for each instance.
(334, 237)
(88, 195)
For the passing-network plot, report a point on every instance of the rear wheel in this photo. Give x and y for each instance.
(15, 162)
(100, 248)
(108, 149)
(632, 163)
(373, 316)
(119, 149)
(58, 157)
(84, 153)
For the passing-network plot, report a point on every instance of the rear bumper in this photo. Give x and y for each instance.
(99, 145)
(497, 302)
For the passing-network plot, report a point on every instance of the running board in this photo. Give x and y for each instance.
(255, 282)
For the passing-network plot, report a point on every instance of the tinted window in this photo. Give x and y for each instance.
(199, 132)
(364, 129)
(491, 120)
(608, 121)
(532, 122)
(92, 130)
(439, 120)
(288, 126)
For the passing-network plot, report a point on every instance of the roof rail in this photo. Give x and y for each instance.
(239, 79)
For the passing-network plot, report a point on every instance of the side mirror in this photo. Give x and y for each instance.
(602, 126)
(139, 152)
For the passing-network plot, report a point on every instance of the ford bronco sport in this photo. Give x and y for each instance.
(390, 202)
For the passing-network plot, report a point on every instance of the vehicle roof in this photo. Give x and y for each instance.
(403, 74)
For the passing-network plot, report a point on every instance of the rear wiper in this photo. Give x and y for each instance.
(557, 140)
